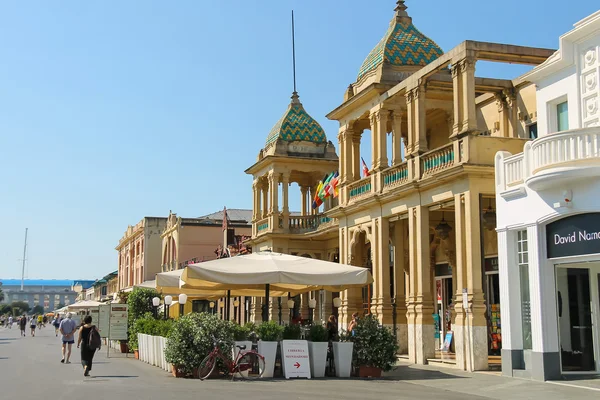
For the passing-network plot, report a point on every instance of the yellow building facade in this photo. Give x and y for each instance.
(423, 221)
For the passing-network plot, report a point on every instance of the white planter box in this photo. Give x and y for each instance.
(318, 358)
(236, 351)
(342, 357)
(268, 350)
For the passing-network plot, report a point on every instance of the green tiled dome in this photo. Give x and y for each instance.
(296, 125)
(402, 45)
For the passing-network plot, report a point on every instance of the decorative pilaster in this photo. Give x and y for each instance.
(400, 286)
(265, 202)
(511, 113)
(502, 115)
(379, 119)
(420, 126)
(356, 156)
(457, 96)
(381, 302)
(469, 122)
(304, 194)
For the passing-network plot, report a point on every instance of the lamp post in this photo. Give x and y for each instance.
(182, 300)
(337, 302)
(236, 304)
(168, 302)
(155, 304)
(312, 303)
(212, 307)
(290, 304)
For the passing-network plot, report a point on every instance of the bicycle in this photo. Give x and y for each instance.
(247, 364)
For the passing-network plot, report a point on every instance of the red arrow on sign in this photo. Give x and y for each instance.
(297, 365)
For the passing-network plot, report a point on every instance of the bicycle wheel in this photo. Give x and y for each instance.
(251, 365)
(207, 366)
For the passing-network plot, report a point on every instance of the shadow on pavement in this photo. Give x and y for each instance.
(3, 339)
(115, 376)
(406, 373)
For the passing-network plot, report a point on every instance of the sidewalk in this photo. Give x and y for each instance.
(493, 385)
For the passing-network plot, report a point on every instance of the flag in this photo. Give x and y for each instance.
(365, 168)
(317, 201)
(333, 183)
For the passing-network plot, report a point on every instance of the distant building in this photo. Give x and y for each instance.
(100, 288)
(46, 293)
(190, 240)
(139, 252)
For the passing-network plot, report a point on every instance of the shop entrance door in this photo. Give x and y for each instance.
(578, 297)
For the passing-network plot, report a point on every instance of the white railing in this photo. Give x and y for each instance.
(152, 351)
(564, 147)
(514, 169)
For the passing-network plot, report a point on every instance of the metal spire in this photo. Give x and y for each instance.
(294, 50)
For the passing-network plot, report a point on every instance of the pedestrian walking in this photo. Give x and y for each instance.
(40, 321)
(23, 324)
(32, 325)
(56, 324)
(10, 322)
(67, 329)
(89, 341)
(44, 320)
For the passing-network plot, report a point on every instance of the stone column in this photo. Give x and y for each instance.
(421, 333)
(467, 69)
(396, 116)
(374, 139)
(356, 156)
(460, 282)
(381, 301)
(346, 153)
(285, 184)
(274, 193)
(256, 200)
(265, 202)
(303, 192)
(502, 115)
(476, 318)
(511, 113)
(379, 119)
(351, 298)
(420, 125)
(457, 94)
(400, 286)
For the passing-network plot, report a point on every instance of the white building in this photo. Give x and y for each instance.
(548, 210)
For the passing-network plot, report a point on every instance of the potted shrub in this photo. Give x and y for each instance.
(342, 356)
(375, 347)
(317, 350)
(269, 333)
(241, 335)
(191, 339)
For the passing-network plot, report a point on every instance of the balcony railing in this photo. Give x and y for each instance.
(361, 188)
(550, 159)
(437, 160)
(262, 225)
(395, 176)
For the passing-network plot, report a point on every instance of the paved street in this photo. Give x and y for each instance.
(30, 369)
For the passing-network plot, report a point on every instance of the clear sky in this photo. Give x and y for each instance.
(113, 110)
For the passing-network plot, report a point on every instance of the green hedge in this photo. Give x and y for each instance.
(150, 326)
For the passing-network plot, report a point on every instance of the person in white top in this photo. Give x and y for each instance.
(32, 325)
(10, 322)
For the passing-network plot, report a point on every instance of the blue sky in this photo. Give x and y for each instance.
(113, 110)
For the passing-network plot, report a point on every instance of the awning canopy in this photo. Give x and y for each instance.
(170, 283)
(282, 272)
(85, 304)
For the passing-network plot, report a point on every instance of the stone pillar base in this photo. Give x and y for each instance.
(471, 345)
(425, 345)
(402, 335)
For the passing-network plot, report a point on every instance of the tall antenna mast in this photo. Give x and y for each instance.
(294, 49)
(23, 270)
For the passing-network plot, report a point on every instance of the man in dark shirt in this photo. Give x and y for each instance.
(23, 324)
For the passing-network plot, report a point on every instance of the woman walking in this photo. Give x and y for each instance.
(32, 324)
(87, 353)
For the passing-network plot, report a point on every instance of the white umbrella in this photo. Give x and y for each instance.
(171, 283)
(282, 272)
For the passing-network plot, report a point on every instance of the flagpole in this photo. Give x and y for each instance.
(294, 50)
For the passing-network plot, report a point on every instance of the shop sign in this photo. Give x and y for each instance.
(103, 319)
(491, 264)
(296, 359)
(443, 270)
(574, 236)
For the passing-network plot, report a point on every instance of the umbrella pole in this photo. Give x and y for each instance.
(228, 305)
(265, 306)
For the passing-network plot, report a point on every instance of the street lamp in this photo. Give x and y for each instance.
(155, 304)
(182, 301)
(168, 302)
(337, 302)
(290, 304)
(212, 306)
(312, 303)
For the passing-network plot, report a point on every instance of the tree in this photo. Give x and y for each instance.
(5, 309)
(19, 307)
(1, 295)
(37, 310)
